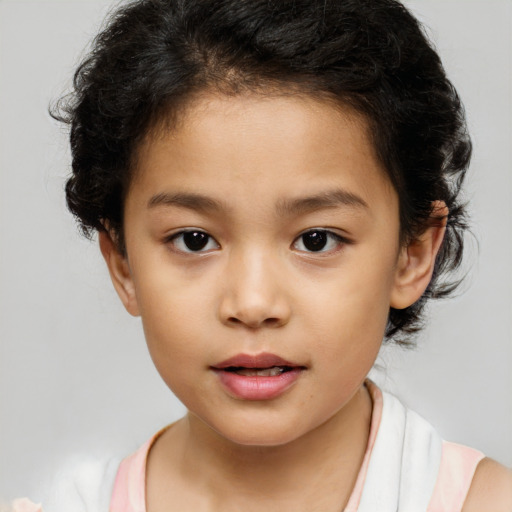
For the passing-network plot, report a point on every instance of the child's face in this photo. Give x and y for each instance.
(294, 254)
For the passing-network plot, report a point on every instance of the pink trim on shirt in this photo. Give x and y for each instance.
(129, 493)
(129, 487)
(357, 492)
(25, 505)
(458, 465)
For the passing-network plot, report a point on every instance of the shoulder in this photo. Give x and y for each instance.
(491, 488)
(82, 486)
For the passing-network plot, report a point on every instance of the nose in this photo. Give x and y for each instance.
(253, 292)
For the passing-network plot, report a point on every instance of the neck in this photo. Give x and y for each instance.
(309, 472)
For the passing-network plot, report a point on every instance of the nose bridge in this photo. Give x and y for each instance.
(254, 293)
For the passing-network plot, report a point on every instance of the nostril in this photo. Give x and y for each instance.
(253, 311)
(267, 322)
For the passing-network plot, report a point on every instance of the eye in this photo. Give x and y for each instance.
(318, 240)
(193, 241)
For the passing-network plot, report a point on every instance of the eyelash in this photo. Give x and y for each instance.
(323, 237)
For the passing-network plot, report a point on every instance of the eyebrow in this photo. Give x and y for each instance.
(186, 200)
(323, 200)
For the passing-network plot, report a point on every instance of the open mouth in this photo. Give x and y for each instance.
(273, 371)
(262, 376)
(259, 365)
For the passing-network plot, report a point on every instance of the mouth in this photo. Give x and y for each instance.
(260, 377)
(263, 361)
(273, 371)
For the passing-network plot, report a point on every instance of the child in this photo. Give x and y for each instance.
(275, 186)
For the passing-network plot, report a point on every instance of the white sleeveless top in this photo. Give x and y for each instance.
(407, 467)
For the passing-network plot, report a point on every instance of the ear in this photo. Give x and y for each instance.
(416, 260)
(120, 273)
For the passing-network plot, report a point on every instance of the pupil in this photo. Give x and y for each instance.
(314, 240)
(195, 240)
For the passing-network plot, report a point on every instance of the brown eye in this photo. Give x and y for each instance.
(314, 240)
(193, 241)
(318, 240)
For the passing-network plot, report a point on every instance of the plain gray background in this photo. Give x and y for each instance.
(75, 377)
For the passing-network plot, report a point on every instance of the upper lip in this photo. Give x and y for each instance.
(263, 360)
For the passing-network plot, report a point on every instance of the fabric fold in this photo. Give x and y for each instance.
(405, 462)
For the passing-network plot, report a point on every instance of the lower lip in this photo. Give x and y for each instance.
(255, 387)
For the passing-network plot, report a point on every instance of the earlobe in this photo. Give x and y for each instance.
(416, 261)
(120, 274)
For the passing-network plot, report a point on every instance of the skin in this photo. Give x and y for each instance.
(256, 288)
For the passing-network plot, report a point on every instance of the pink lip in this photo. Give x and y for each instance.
(263, 360)
(256, 387)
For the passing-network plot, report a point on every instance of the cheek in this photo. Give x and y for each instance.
(173, 322)
(174, 316)
(348, 315)
(174, 344)
(355, 300)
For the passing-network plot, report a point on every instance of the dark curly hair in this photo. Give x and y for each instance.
(370, 55)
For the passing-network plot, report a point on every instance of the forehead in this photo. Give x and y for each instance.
(272, 146)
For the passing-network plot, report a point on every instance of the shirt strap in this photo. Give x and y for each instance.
(458, 466)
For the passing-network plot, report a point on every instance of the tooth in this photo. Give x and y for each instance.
(247, 372)
(274, 371)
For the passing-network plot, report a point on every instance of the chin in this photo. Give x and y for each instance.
(259, 433)
(264, 440)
